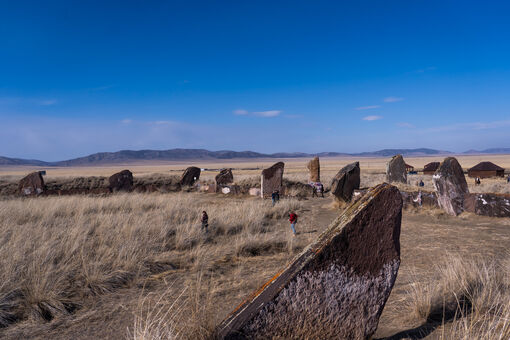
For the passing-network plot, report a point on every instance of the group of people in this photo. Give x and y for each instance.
(292, 219)
(317, 189)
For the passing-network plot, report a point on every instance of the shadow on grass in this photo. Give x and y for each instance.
(440, 315)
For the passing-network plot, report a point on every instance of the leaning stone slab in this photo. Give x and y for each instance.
(271, 179)
(338, 286)
(314, 167)
(190, 176)
(451, 186)
(346, 181)
(31, 184)
(121, 181)
(396, 170)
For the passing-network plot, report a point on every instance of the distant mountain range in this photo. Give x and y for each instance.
(130, 156)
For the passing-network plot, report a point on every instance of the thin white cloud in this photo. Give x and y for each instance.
(126, 121)
(270, 113)
(471, 126)
(47, 102)
(371, 118)
(406, 125)
(101, 88)
(240, 112)
(163, 122)
(393, 99)
(369, 107)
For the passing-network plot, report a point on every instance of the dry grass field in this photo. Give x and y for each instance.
(138, 266)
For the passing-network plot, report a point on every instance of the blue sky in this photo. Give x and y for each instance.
(78, 77)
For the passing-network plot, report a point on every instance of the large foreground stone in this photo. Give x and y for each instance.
(225, 177)
(346, 181)
(338, 286)
(271, 179)
(190, 176)
(31, 184)
(314, 167)
(121, 181)
(451, 186)
(396, 170)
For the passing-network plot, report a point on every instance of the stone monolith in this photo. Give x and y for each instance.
(338, 286)
(225, 177)
(451, 186)
(346, 181)
(190, 176)
(121, 181)
(271, 179)
(31, 184)
(396, 170)
(314, 168)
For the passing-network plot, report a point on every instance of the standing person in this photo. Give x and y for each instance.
(293, 221)
(275, 197)
(418, 198)
(508, 179)
(205, 221)
(421, 183)
(321, 190)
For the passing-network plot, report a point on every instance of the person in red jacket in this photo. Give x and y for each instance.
(293, 221)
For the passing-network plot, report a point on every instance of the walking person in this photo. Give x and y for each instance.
(205, 221)
(293, 220)
(321, 190)
(508, 179)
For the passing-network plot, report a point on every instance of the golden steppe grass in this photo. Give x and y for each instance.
(138, 266)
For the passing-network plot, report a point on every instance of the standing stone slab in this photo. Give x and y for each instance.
(451, 186)
(224, 178)
(271, 179)
(121, 181)
(338, 286)
(396, 170)
(314, 167)
(190, 176)
(346, 181)
(31, 184)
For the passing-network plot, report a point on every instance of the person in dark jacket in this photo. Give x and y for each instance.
(275, 197)
(205, 221)
(293, 220)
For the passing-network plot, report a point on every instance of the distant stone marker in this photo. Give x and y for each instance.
(396, 170)
(314, 168)
(224, 178)
(121, 181)
(338, 286)
(271, 179)
(451, 186)
(346, 181)
(190, 176)
(31, 184)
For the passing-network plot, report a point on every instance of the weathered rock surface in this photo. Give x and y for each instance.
(346, 181)
(121, 181)
(494, 205)
(254, 192)
(338, 286)
(190, 176)
(451, 186)
(396, 170)
(225, 177)
(314, 167)
(31, 184)
(271, 179)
